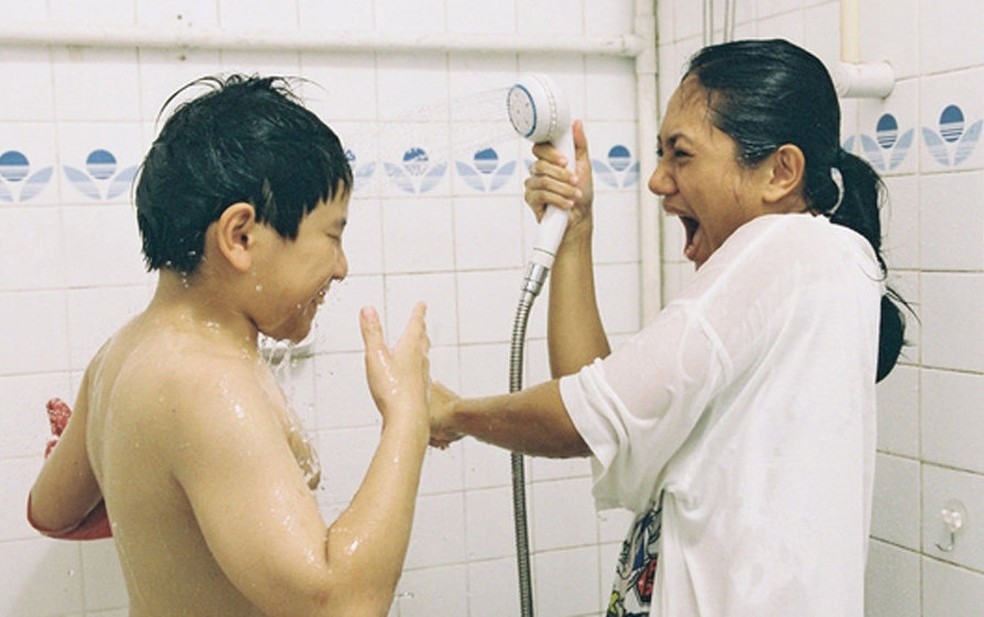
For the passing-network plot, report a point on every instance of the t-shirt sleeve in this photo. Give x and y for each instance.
(636, 408)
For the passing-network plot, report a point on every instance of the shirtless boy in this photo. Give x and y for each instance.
(180, 429)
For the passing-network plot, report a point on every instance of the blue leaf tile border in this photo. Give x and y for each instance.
(950, 143)
(101, 178)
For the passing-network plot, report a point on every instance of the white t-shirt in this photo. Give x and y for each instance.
(748, 408)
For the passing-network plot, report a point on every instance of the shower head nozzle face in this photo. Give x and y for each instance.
(536, 109)
(522, 110)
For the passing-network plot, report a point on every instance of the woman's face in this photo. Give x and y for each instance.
(699, 177)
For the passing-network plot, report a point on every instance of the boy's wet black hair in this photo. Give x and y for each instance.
(247, 139)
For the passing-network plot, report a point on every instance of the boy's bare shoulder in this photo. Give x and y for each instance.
(215, 382)
(186, 380)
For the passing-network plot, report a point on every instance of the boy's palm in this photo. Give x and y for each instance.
(399, 377)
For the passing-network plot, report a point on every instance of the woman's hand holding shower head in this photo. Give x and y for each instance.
(553, 181)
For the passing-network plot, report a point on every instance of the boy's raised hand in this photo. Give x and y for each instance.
(399, 378)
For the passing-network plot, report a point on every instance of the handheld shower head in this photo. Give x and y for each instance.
(539, 112)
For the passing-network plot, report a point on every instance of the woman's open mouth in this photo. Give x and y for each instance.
(693, 229)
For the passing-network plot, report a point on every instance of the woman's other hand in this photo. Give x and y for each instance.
(441, 403)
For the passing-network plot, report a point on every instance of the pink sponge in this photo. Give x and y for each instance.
(96, 524)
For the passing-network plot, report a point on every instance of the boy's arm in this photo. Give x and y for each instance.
(260, 520)
(65, 501)
(370, 537)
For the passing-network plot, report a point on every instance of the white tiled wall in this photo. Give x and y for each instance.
(71, 270)
(931, 409)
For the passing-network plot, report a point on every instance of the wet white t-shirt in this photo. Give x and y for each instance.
(747, 408)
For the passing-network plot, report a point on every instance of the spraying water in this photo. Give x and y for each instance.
(425, 139)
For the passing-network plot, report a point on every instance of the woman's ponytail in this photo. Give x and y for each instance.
(860, 193)
(891, 333)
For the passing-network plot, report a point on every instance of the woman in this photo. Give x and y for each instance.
(739, 424)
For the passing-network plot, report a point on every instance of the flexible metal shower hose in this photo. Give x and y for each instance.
(518, 471)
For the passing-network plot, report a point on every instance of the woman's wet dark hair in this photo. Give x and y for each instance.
(767, 93)
(247, 139)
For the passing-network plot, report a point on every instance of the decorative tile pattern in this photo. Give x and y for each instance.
(888, 147)
(415, 173)
(17, 181)
(99, 179)
(485, 173)
(953, 140)
(619, 170)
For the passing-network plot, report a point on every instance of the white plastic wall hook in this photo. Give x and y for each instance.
(867, 80)
(954, 515)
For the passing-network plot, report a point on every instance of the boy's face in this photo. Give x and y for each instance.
(293, 276)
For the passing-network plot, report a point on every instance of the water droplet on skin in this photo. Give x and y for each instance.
(259, 287)
(351, 548)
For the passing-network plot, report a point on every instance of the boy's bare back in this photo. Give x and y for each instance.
(170, 406)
